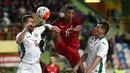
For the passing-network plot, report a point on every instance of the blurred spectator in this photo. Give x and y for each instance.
(111, 51)
(42, 66)
(6, 20)
(52, 67)
(118, 38)
(126, 38)
(119, 69)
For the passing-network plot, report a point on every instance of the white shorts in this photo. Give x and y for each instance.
(29, 68)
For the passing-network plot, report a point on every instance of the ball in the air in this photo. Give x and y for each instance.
(43, 12)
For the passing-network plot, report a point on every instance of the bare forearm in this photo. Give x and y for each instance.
(83, 58)
(53, 28)
(48, 26)
(78, 28)
(21, 37)
(94, 64)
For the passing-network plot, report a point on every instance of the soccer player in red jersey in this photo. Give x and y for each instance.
(66, 42)
(52, 67)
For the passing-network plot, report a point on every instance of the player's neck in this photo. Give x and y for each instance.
(67, 20)
(52, 64)
(30, 31)
(101, 36)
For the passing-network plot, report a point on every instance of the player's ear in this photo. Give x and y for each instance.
(65, 13)
(24, 24)
(103, 31)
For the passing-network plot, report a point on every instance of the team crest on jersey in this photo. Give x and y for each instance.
(36, 35)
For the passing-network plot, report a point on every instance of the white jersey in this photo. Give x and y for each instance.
(97, 47)
(29, 48)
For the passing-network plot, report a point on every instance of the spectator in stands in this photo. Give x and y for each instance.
(119, 69)
(42, 66)
(52, 67)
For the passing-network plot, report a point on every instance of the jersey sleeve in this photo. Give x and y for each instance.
(103, 49)
(40, 29)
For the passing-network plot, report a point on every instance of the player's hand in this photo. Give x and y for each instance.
(56, 29)
(76, 68)
(28, 26)
(68, 31)
(86, 71)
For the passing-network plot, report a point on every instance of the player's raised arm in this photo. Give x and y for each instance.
(53, 28)
(28, 24)
(77, 28)
(83, 58)
(21, 35)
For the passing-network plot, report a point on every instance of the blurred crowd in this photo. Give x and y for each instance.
(11, 12)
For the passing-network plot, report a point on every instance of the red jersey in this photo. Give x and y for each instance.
(52, 69)
(72, 39)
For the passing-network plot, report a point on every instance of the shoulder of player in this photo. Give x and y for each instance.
(18, 34)
(36, 29)
(92, 37)
(56, 65)
(104, 41)
(90, 40)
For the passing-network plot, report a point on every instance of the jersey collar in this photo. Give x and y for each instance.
(65, 20)
(30, 33)
(101, 37)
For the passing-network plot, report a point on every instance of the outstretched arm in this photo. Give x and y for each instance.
(21, 35)
(94, 64)
(83, 58)
(53, 28)
(77, 28)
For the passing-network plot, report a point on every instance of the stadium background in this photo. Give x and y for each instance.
(116, 12)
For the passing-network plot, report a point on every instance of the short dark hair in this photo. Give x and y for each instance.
(105, 26)
(69, 7)
(25, 18)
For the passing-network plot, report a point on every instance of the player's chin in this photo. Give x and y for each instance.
(31, 29)
(94, 33)
(69, 18)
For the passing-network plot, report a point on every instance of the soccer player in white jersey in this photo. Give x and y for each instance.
(96, 51)
(28, 40)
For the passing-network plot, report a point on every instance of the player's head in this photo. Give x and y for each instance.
(52, 59)
(69, 12)
(101, 29)
(28, 19)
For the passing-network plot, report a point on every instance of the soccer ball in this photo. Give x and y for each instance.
(43, 12)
